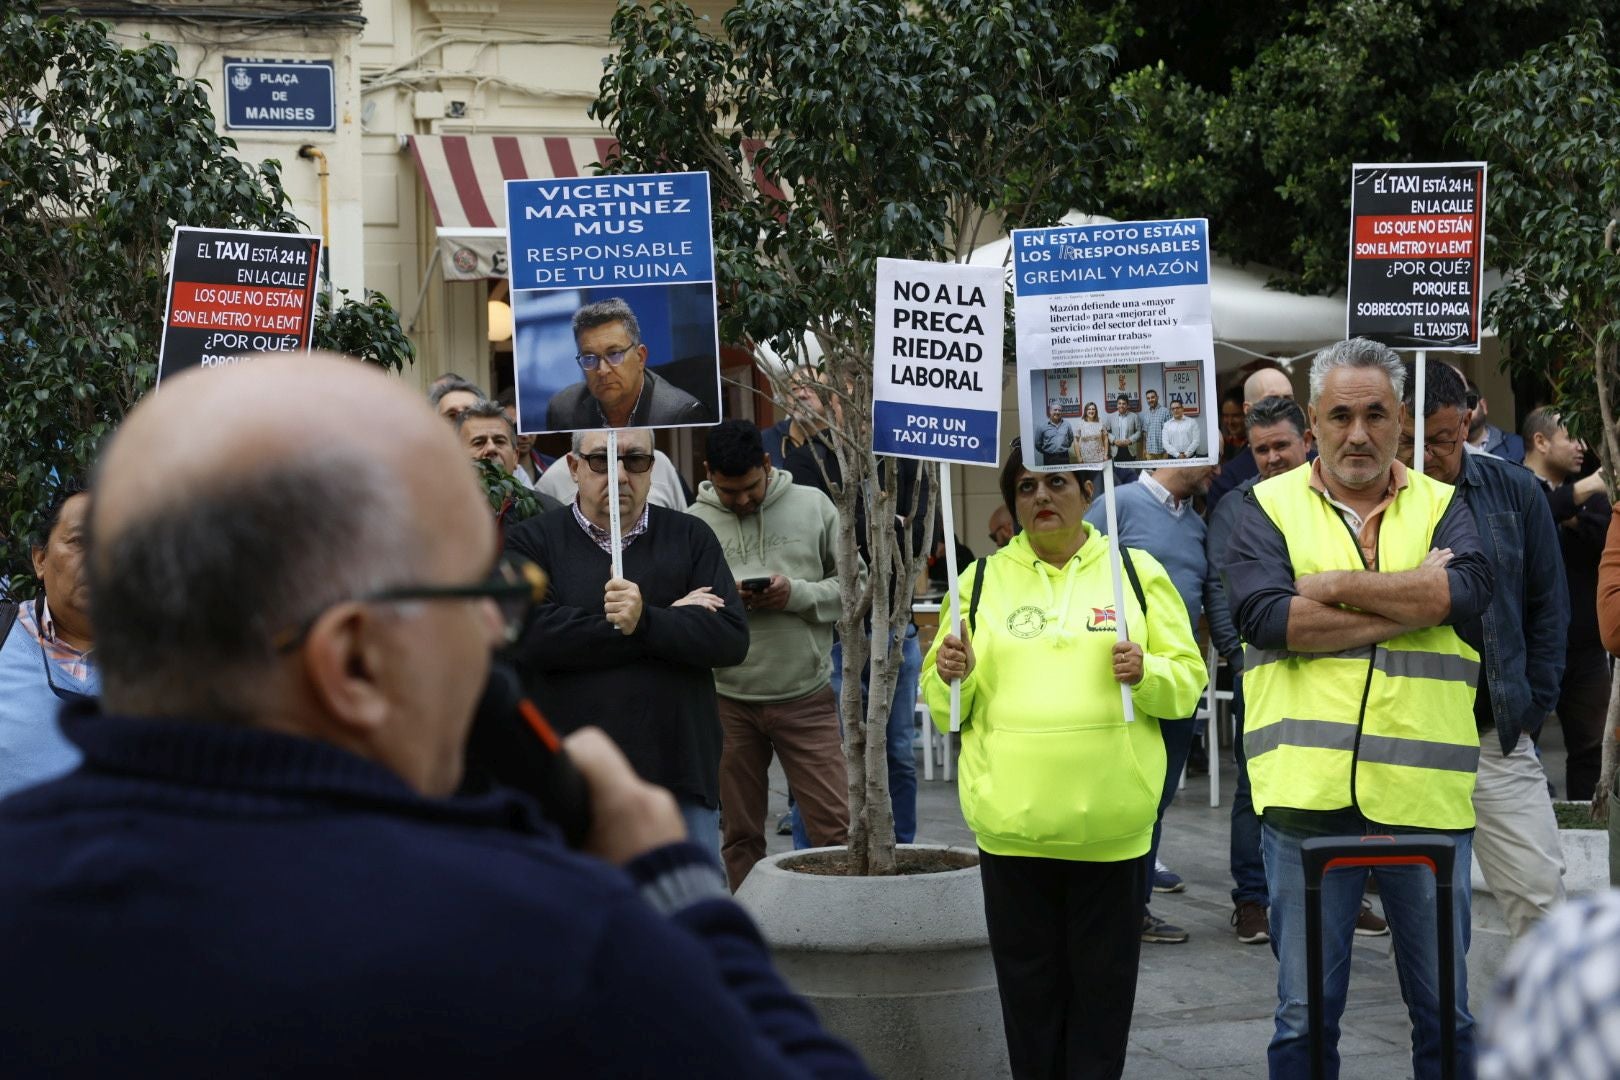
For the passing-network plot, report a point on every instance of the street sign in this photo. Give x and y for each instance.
(1417, 239)
(936, 384)
(280, 95)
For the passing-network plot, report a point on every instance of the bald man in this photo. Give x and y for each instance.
(1261, 384)
(264, 839)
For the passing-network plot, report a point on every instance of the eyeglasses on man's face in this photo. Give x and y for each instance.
(515, 585)
(614, 357)
(633, 462)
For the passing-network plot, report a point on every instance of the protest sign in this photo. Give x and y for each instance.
(1122, 309)
(936, 384)
(630, 261)
(234, 292)
(1417, 237)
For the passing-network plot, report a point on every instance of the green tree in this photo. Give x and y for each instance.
(1252, 114)
(103, 151)
(1550, 126)
(878, 128)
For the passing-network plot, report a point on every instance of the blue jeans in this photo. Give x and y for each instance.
(1408, 895)
(1248, 869)
(901, 733)
(1178, 737)
(702, 825)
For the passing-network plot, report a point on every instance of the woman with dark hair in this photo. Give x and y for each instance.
(1060, 791)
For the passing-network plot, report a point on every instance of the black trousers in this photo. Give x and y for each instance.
(1583, 707)
(1066, 938)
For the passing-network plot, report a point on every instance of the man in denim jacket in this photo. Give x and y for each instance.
(1516, 838)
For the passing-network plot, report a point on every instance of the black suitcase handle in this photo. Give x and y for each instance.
(1323, 853)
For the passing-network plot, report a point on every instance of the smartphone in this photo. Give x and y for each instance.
(756, 584)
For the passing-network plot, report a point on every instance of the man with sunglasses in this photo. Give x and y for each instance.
(618, 390)
(45, 649)
(264, 837)
(634, 655)
(1522, 659)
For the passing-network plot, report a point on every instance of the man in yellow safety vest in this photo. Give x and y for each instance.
(1348, 579)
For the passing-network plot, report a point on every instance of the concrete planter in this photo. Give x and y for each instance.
(1586, 861)
(899, 966)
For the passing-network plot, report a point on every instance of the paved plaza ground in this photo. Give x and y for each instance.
(1204, 1009)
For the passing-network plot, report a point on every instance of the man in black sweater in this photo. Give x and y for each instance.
(261, 869)
(634, 655)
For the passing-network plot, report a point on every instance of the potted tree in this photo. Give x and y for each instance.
(834, 134)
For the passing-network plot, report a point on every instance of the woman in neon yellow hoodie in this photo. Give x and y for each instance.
(1059, 790)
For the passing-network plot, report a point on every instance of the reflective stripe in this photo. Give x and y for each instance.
(1417, 753)
(1416, 664)
(1254, 657)
(1318, 734)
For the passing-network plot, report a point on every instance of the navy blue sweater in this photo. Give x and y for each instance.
(208, 901)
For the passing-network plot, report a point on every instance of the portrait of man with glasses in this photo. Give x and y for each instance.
(617, 389)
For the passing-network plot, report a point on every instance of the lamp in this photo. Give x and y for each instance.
(500, 320)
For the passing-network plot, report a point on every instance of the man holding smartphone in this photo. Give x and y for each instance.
(779, 539)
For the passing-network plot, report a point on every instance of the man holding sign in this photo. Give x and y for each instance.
(634, 655)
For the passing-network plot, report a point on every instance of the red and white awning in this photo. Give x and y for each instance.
(464, 177)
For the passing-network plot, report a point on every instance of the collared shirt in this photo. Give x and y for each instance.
(1159, 491)
(66, 658)
(1153, 421)
(602, 537)
(1365, 528)
(1125, 428)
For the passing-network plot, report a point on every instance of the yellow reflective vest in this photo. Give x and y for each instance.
(1388, 728)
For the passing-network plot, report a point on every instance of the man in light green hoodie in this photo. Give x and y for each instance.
(779, 539)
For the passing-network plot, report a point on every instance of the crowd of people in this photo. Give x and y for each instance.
(250, 664)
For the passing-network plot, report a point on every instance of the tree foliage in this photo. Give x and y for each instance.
(103, 151)
(1550, 127)
(1253, 114)
(836, 133)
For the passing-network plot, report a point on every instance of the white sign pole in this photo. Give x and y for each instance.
(952, 591)
(615, 526)
(1418, 392)
(1116, 566)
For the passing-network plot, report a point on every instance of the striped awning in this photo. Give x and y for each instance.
(464, 178)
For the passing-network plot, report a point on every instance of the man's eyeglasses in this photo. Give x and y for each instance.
(515, 585)
(1436, 447)
(615, 357)
(636, 463)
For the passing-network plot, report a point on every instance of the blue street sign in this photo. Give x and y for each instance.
(280, 95)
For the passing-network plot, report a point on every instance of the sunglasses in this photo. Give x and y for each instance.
(516, 585)
(589, 360)
(636, 463)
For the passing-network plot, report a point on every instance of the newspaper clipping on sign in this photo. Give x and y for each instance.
(1116, 353)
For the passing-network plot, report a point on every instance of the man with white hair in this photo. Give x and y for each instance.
(1264, 383)
(1351, 583)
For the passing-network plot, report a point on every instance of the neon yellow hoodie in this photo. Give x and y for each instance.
(1049, 767)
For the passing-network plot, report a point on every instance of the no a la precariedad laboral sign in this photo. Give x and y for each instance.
(1417, 240)
(937, 343)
